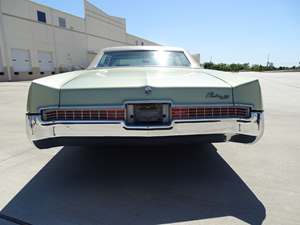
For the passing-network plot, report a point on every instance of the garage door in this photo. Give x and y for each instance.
(45, 61)
(21, 61)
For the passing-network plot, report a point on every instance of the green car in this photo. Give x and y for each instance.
(143, 93)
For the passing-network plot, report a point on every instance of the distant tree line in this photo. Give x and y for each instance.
(236, 67)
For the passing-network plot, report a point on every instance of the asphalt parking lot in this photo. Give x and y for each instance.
(183, 184)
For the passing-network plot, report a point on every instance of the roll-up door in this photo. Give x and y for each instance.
(45, 61)
(21, 61)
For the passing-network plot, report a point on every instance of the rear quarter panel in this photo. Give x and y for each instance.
(249, 94)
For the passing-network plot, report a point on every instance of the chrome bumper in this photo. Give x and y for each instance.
(234, 130)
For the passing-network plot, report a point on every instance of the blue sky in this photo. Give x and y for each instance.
(225, 30)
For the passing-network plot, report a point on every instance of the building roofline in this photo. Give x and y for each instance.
(70, 14)
(51, 8)
(102, 11)
(115, 19)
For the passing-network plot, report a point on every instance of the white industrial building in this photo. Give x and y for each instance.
(37, 41)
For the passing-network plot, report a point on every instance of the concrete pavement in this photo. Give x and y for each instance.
(184, 184)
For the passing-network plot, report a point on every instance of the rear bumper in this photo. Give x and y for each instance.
(220, 130)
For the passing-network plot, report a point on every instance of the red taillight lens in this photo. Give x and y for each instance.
(84, 114)
(186, 113)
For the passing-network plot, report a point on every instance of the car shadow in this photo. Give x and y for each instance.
(135, 185)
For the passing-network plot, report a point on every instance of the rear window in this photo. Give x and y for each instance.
(144, 58)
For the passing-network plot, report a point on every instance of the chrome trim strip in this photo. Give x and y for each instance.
(253, 127)
(149, 102)
(82, 107)
(124, 106)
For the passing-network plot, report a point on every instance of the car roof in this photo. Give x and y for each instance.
(137, 48)
(94, 63)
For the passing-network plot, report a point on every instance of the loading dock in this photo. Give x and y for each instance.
(21, 61)
(45, 60)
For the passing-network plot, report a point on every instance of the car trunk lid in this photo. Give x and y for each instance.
(117, 85)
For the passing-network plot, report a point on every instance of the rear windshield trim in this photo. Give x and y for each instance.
(143, 50)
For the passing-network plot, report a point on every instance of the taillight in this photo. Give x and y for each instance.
(83, 114)
(190, 112)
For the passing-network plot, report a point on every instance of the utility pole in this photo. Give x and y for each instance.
(268, 60)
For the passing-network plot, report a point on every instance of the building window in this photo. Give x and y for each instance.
(41, 16)
(62, 22)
